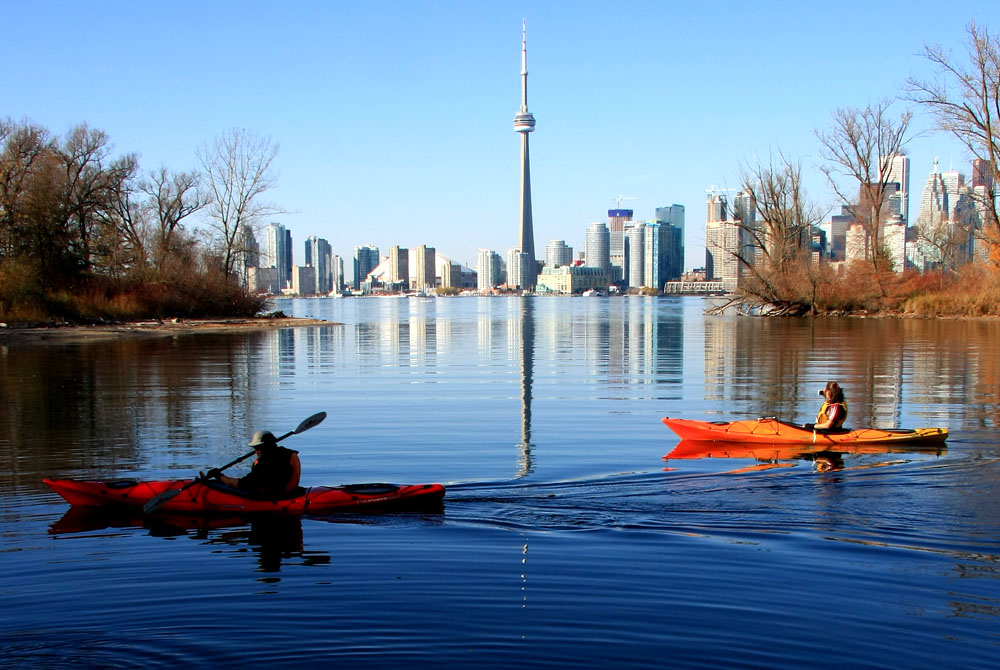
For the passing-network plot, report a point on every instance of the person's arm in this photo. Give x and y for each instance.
(831, 417)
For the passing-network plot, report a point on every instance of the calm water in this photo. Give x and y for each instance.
(566, 540)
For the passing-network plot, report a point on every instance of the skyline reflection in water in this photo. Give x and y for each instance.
(151, 404)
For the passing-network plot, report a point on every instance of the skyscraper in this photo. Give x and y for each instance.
(524, 123)
(365, 260)
(399, 266)
(597, 251)
(424, 267)
(557, 253)
(488, 269)
(899, 173)
(278, 253)
(670, 244)
(318, 255)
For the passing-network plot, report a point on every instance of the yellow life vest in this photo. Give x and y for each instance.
(821, 417)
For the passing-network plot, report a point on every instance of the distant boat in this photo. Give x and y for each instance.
(592, 292)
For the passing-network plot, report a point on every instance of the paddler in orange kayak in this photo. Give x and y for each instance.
(833, 413)
(275, 472)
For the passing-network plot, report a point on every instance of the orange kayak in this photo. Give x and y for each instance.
(212, 497)
(773, 431)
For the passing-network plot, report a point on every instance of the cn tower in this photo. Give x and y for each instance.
(524, 123)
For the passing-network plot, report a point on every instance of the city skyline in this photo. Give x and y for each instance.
(639, 103)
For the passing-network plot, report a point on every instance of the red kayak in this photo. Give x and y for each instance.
(213, 497)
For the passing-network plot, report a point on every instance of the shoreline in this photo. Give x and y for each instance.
(72, 333)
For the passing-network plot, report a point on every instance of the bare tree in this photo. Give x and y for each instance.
(777, 231)
(965, 100)
(861, 145)
(173, 196)
(238, 170)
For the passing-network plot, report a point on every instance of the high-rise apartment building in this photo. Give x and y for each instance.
(635, 233)
(399, 266)
(518, 264)
(597, 253)
(671, 244)
(617, 220)
(279, 253)
(424, 268)
(558, 254)
(318, 256)
(488, 269)
(366, 259)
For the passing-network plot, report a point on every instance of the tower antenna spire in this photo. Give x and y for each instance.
(524, 65)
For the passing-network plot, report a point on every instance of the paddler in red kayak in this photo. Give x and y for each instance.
(275, 472)
(833, 413)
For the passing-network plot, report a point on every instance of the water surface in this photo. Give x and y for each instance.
(565, 539)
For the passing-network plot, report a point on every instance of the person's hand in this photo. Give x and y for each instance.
(214, 473)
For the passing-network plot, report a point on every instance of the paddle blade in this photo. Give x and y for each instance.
(159, 499)
(311, 422)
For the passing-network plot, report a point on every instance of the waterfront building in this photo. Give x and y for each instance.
(338, 274)
(248, 256)
(671, 242)
(279, 253)
(659, 251)
(557, 253)
(425, 272)
(524, 123)
(399, 267)
(366, 259)
(263, 280)
(571, 279)
(304, 280)
(318, 255)
(598, 247)
(451, 275)
(518, 264)
(635, 233)
(617, 219)
(488, 269)
(723, 245)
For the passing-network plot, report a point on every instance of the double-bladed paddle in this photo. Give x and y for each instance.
(156, 501)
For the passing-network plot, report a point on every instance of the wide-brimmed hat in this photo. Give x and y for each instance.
(261, 438)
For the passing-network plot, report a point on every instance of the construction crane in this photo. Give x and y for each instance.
(713, 189)
(619, 199)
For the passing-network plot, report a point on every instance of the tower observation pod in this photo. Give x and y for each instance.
(524, 123)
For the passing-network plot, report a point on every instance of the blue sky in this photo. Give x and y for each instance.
(394, 119)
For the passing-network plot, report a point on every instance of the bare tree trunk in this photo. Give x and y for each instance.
(238, 171)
